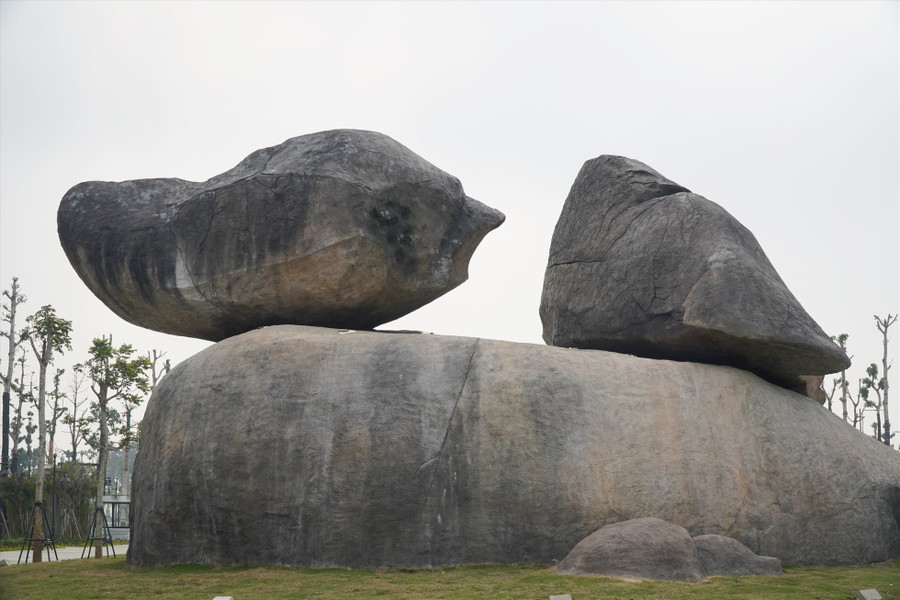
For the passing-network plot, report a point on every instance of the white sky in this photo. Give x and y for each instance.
(786, 114)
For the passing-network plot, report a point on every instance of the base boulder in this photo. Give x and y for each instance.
(309, 446)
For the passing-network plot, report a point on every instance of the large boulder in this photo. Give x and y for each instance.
(341, 228)
(638, 264)
(646, 548)
(309, 446)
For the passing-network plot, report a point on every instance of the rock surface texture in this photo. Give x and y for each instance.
(302, 445)
(650, 548)
(647, 548)
(341, 228)
(638, 264)
(726, 557)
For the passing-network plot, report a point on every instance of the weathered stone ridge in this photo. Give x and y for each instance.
(341, 228)
(306, 446)
(640, 265)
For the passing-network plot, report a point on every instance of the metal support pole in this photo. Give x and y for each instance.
(47, 542)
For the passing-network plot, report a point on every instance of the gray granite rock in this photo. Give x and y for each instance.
(308, 446)
(638, 264)
(650, 548)
(340, 228)
(724, 556)
(646, 548)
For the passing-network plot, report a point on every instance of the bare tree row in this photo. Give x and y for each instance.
(870, 395)
(95, 405)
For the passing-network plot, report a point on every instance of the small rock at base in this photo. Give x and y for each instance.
(561, 597)
(644, 548)
(868, 595)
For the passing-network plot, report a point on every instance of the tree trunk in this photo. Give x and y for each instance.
(878, 422)
(17, 433)
(42, 463)
(55, 413)
(10, 365)
(99, 532)
(883, 325)
(842, 342)
(844, 396)
(125, 473)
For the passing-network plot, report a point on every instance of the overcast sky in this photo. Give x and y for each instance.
(785, 114)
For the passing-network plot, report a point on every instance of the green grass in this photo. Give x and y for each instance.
(96, 579)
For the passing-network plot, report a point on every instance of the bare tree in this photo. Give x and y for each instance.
(883, 325)
(873, 383)
(23, 396)
(156, 374)
(860, 404)
(77, 420)
(15, 298)
(842, 342)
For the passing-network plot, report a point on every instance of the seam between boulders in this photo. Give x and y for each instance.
(450, 422)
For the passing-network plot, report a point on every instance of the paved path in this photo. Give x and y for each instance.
(67, 553)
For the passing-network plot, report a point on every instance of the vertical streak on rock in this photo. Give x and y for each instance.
(462, 388)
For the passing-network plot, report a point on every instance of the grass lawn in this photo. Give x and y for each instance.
(110, 578)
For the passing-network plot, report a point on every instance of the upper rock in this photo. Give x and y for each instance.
(639, 264)
(340, 228)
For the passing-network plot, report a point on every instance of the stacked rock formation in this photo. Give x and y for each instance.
(639, 264)
(300, 443)
(340, 229)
